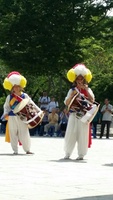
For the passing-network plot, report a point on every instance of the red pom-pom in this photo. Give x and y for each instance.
(12, 73)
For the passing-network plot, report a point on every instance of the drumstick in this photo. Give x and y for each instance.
(18, 98)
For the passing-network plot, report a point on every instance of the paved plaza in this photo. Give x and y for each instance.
(47, 176)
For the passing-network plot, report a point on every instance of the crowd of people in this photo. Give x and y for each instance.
(55, 120)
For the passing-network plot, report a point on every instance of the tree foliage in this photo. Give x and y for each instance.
(98, 54)
(45, 35)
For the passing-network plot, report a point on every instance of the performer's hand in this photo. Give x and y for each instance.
(84, 86)
(6, 117)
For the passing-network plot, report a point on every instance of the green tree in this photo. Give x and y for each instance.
(44, 35)
(98, 56)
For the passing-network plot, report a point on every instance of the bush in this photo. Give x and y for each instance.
(2, 100)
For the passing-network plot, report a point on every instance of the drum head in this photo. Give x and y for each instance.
(72, 100)
(21, 105)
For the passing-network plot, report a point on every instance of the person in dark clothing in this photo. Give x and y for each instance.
(95, 122)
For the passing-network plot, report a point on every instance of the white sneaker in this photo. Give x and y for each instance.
(66, 156)
(15, 153)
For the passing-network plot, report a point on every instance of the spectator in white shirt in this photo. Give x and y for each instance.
(44, 100)
(106, 111)
(52, 104)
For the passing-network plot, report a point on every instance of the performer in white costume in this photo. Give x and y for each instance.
(77, 129)
(18, 130)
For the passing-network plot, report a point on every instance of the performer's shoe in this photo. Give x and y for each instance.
(28, 152)
(79, 158)
(66, 156)
(15, 153)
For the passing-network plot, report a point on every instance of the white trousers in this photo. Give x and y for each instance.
(18, 130)
(76, 131)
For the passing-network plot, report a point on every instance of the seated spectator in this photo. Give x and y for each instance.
(63, 121)
(58, 111)
(96, 120)
(44, 100)
(53, 121)
(43, 123)
(52, 104)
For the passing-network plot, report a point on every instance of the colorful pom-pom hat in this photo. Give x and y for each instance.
(14, 78)
(77, 70)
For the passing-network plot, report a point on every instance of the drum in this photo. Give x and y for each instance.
(29, 113)
(85, 110)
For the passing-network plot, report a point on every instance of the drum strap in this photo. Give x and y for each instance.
(18, 98)
(83, 92)
(14, 100)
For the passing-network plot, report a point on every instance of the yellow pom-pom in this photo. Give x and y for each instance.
(88, 76)
(7, 85)
(71, 75)
(23, 82)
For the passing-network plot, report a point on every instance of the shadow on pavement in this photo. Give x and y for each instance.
(109, 165)
(68, 160)
(103, 197)
(11, 154)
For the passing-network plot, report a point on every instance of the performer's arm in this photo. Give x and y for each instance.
(69, 96)
(90, 94)
(6, 107)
